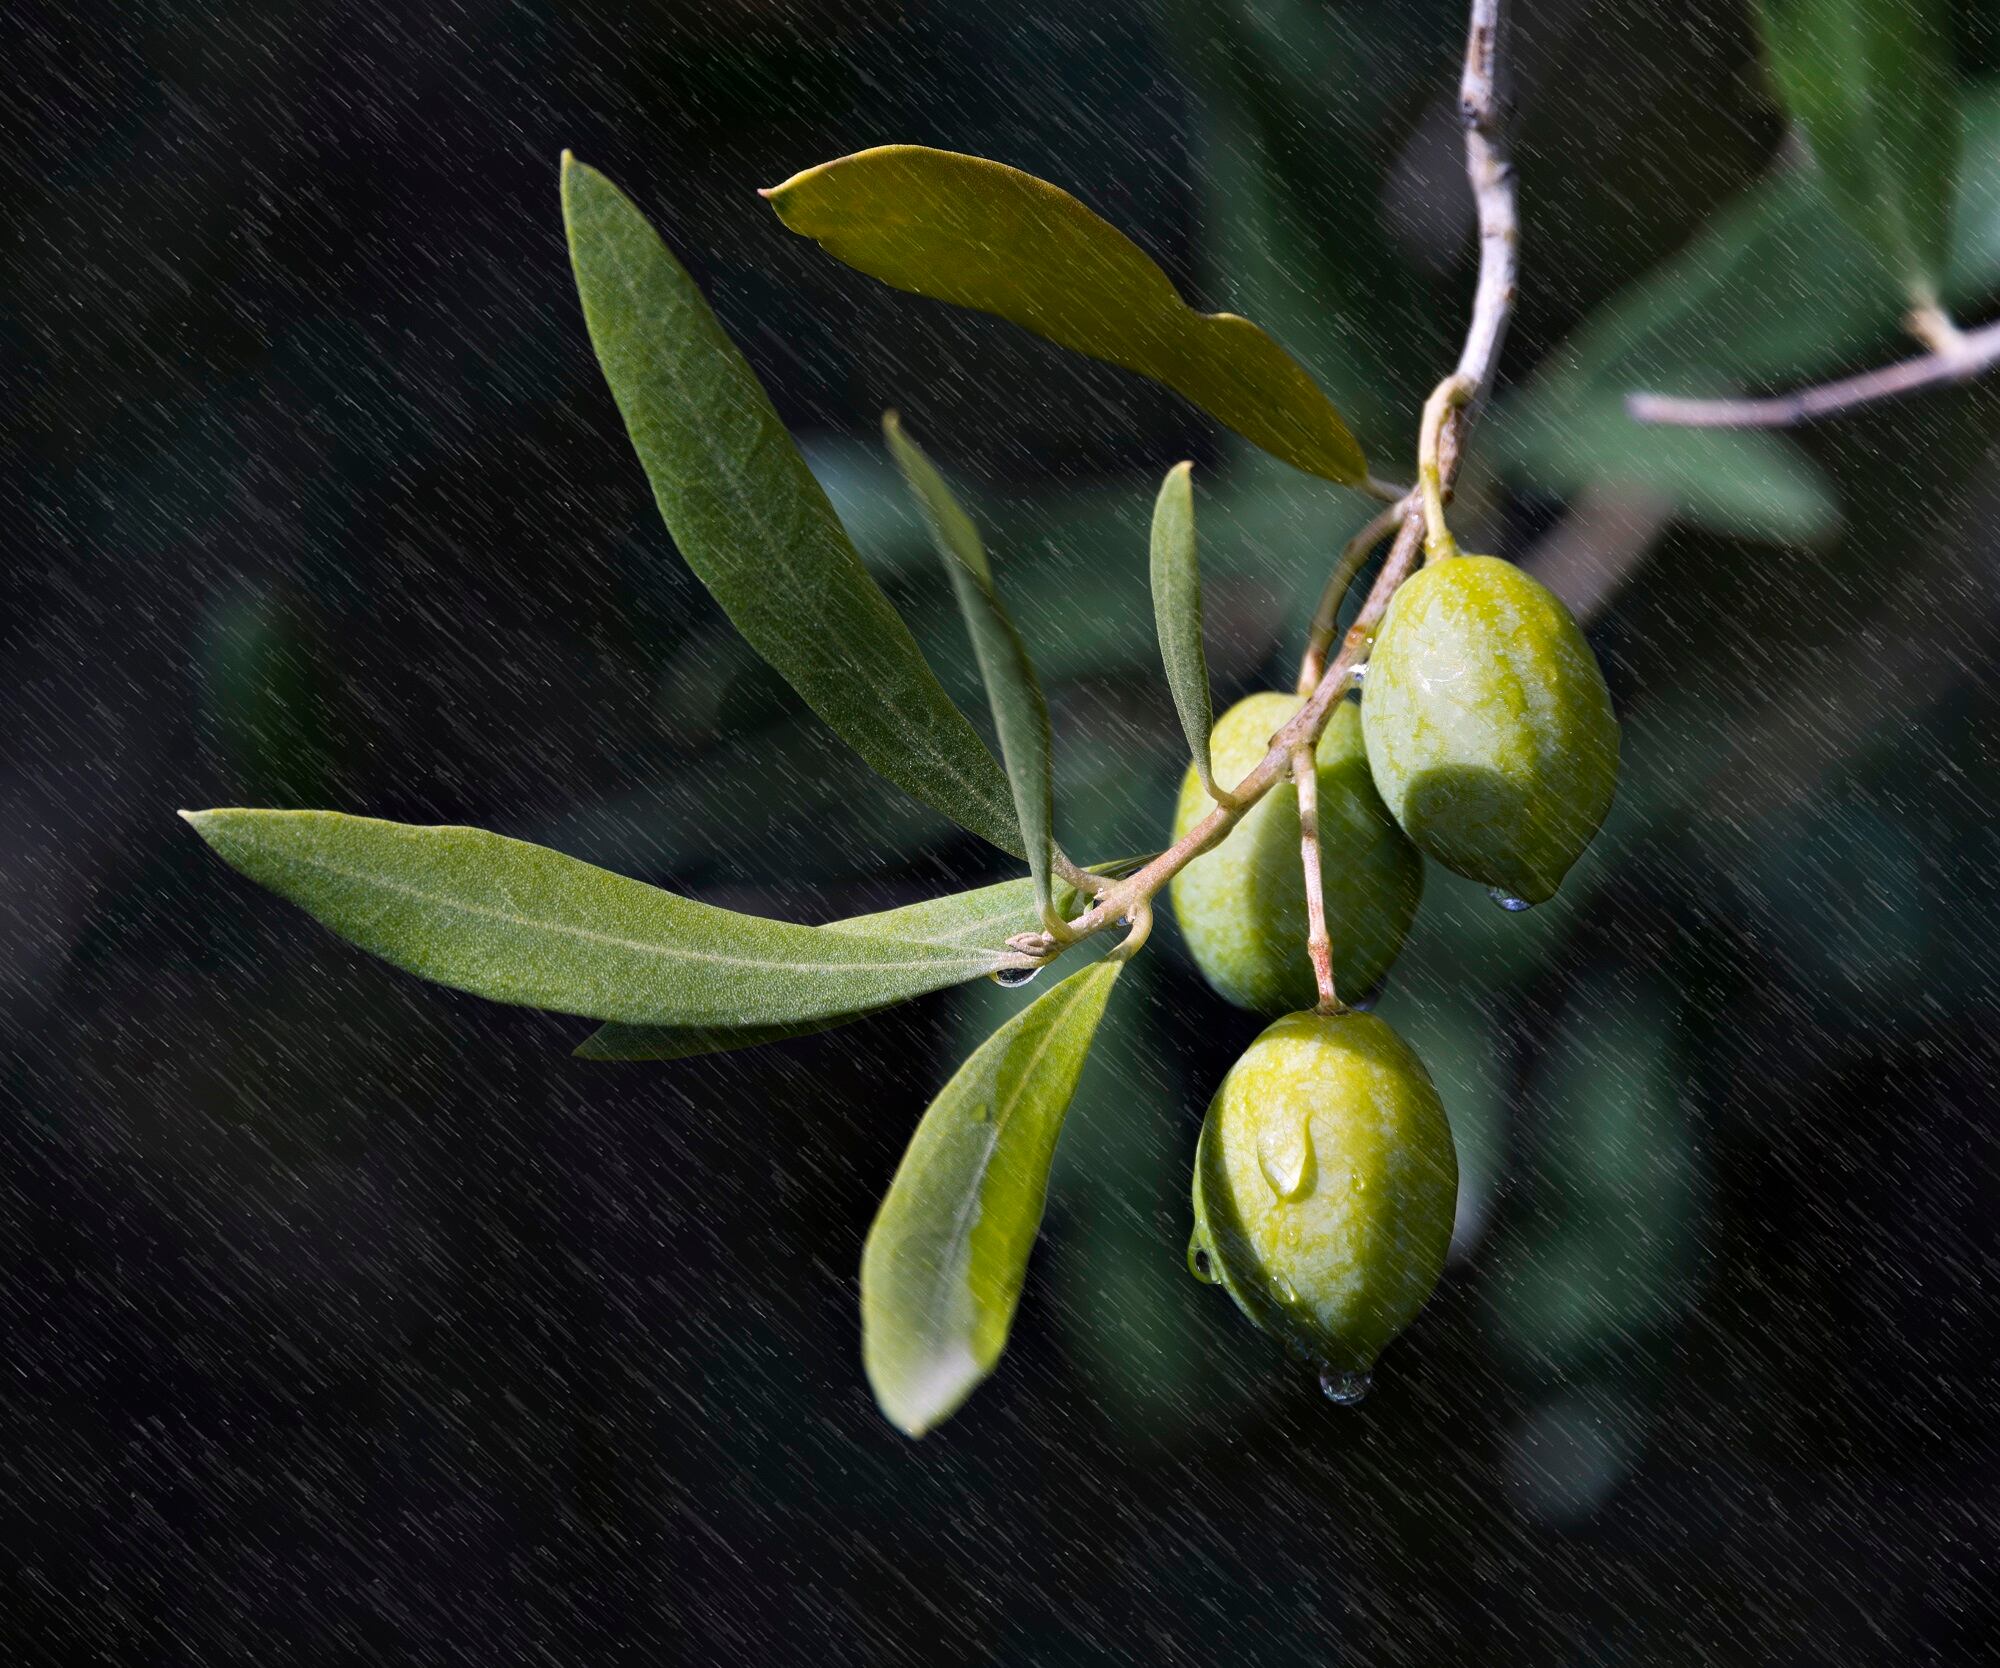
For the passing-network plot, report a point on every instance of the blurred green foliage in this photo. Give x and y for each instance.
(322, 501)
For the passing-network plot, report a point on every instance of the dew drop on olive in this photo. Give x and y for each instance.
(1325, 1187)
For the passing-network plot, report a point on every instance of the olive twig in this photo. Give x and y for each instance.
(1353, 557)
(1141, 928)
(1974, 352)
(1483, 109)
(1077, 879)
(1448, 397)
(1934, 327)
(1319, 946)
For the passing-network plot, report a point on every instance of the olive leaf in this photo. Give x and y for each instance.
(1020, 713)
(942, 1269)
(982, 235)
(982, 918)
(1870, 83)
(1177, 613)
(755, 525)
(523, 924)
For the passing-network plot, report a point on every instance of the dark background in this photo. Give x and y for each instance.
(348, 1319)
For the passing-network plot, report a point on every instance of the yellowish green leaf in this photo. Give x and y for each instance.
(982, 235)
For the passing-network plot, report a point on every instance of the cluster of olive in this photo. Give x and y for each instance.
(1325, 1180)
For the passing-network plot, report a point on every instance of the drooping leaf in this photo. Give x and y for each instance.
(1020, 713)
(942, 1270)
(1870, 83)
(981, 919)
(754, 524)
(982, 235)
(523, 924)
(1177, 613)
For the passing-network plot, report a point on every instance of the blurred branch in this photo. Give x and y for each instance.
(1589, 554)
(1957, 357)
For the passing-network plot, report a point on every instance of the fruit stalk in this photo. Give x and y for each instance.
(1482, 109)
(1319, 943)
(1356, 552)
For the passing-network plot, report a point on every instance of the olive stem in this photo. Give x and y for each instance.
(1077, 879)
(1387, 491)
(1449, 396)
(1934, 327)
(1141, 928)
(1977, 351)
(1319, 946)
(1483, 109)
(1353, 556)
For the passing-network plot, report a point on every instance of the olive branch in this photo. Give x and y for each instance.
(667, 977)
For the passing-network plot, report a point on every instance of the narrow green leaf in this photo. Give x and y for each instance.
(982, 235)
(1020, 713)
(523, 924)
(942, 1270)
(981, 919)
(755, 525)
(1177, 613)
(1870, 83)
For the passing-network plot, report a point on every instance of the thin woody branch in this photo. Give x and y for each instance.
(1319, 944)
(1971, 354)
(1319, 638)
(1483, 108)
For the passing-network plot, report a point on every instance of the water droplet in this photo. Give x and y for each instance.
(1201, 1265)
(1344, 1388)
(1289, 1166)
(1013, 978)
(1507, 901)
(1358, 673)
(1357, 1182)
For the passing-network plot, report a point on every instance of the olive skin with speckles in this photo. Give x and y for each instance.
(1488, 725)
(1325, 1185)
(1242, 906)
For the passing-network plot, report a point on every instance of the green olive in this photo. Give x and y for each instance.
(1489, 727)
(1324, 1189)
(1242, 906)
